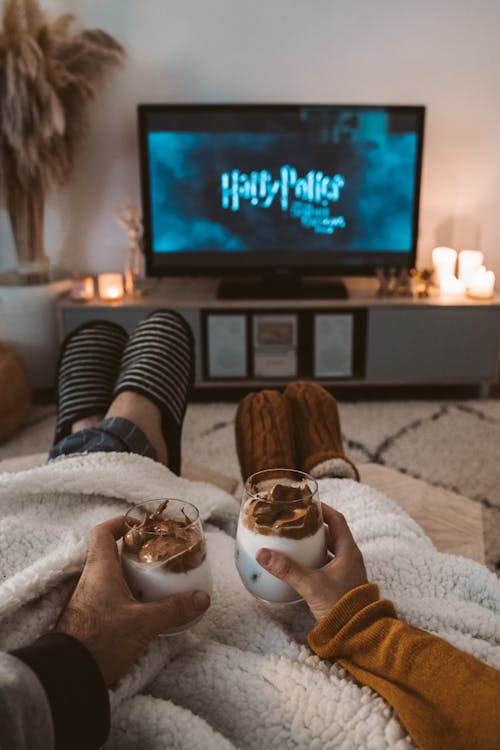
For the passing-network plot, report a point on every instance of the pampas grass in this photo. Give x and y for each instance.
(48, 76)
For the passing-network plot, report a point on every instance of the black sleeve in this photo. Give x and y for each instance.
(75, 689)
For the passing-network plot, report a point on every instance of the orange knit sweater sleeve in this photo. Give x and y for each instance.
(445, 698)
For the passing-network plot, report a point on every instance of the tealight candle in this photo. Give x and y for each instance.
(482, 284)
(444, 260)
(450, 286)
(110, 286)
(82, 288)
(468, 263)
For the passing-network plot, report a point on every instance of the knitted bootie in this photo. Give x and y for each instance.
(317, 433)
(88, 366)
(158, 363)
(264, 437)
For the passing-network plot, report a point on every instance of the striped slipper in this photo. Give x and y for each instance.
(158, 363)
(88, 367)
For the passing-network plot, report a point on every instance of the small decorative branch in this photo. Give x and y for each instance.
(128, 217)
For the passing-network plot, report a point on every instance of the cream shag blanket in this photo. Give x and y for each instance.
(244, 677)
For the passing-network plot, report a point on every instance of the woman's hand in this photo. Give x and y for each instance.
(105, 617)
(322, 588)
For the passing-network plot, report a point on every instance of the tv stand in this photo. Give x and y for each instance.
(382, 343)
(280, 286)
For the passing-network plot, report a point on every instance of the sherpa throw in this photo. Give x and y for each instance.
(244, 676)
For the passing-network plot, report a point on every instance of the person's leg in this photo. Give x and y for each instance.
(147, 403)
(117, 431)
(158, 364)
(317, 431)
(298, 429)
(264, 433)
(146, 416)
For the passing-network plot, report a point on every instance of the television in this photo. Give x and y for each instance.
(269, 196)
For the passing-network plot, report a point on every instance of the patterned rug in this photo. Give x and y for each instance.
(454, 445)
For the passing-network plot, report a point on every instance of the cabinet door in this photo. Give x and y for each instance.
(432, 344)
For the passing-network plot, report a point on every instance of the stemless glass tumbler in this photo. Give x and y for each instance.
(164, 550)
(280, 510)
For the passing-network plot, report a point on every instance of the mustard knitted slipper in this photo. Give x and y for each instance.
(264, 433)
(316, 428)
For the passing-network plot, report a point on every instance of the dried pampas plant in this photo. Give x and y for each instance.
(48, 75)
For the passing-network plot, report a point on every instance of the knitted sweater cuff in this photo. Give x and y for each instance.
(352, 614)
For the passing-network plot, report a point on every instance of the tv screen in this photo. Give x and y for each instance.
(317, 188)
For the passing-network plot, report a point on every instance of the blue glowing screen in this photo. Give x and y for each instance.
(341, 180)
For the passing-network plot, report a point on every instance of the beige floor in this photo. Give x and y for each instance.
(453, 522)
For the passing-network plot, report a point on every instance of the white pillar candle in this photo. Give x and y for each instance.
(110, 286)
(450, 286)
(482, 284)
(468, 263)
(444, 260)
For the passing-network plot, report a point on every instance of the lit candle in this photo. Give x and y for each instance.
(450, 286)
(110, 286)
(82, 288)
(482, 284)
(468, 263)
(444, 260)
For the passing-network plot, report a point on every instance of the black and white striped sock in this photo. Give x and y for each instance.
(158, 363)
(88, 367)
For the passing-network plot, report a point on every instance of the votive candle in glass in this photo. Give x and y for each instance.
(82, 288)
(110, 286)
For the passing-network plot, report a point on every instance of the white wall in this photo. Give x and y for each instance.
(444, 54)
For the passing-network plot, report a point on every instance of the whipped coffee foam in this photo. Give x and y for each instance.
(165, 555)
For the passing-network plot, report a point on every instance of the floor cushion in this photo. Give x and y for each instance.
(15, 392)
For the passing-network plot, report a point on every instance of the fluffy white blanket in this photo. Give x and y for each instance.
(244, 677)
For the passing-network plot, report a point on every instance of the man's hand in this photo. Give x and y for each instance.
(322, 588)
(105, 617)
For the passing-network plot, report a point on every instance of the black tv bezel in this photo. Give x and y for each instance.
(382, 260)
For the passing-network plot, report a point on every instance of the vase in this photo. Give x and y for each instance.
(25, 209)
(28, 323)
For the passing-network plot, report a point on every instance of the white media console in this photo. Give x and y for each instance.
(364, 340)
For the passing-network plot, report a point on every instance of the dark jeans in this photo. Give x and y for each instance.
(114, 434)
